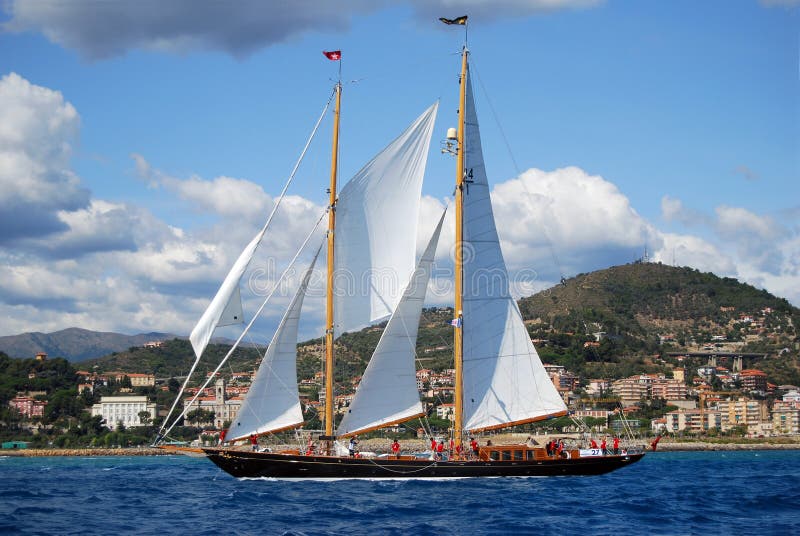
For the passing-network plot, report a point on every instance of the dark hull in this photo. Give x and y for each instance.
(263, 464)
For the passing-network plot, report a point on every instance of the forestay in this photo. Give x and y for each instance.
(273, 403)
(388, 391)
(376, 228)
(504, 381)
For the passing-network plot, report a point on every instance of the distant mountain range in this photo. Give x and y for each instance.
(74, 344)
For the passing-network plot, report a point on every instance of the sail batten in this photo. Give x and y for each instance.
(388, 392)
(503, 380)
(376, 228)
(272, 403)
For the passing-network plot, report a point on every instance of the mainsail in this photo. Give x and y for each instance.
(376, 228)
(504, 381)
(388, 391)
(273, 403)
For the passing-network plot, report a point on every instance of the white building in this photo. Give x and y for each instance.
(116, 410)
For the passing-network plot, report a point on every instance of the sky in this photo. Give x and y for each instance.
(143, 144)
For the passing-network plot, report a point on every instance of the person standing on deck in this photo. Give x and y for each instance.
(396, 448)
(603, 445)
(254, 441)
(616, 444)
(473, 445)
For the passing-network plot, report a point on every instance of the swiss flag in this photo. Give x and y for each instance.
(333, 55)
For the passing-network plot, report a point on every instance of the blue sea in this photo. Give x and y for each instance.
(666, 493)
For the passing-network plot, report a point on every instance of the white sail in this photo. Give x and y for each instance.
(504, 381)
(233, 311)
(376, 228)
(388, 391)
(227, 299)
(273, 403)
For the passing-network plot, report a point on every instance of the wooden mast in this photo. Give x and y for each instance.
(458, 350)
(329, 395)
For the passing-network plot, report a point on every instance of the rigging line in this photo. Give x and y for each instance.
(263, 230)
(550, 245)
(252, 321)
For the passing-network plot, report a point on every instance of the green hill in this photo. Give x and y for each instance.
(643, 299)
(640, 310)
(173, 358)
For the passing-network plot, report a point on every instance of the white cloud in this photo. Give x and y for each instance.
(115, 266)
(688, 250)
(113, 27)
(673, 209)
(756, 249)
(37, 132)
(756, 238)
(567, 221)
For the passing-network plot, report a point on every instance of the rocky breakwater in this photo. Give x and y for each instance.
(144, 451)
(674, 446)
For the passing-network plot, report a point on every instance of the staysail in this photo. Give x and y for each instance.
(388, 391)
(227, 299)
(504, 381)
(376, 228)
(273, 403)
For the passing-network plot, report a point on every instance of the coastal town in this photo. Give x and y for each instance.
(713, 389)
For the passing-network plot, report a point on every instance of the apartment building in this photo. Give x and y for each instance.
(27, 406)
(786, 417)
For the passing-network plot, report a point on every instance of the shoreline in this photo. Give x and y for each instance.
(87, 452)
(705, 446)
(663, 446)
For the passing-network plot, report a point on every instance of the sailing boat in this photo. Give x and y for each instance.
(500, 380)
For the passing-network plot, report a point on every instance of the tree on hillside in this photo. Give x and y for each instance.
(201, 416)
(63, 404)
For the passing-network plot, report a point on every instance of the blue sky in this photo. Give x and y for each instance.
(608, 127)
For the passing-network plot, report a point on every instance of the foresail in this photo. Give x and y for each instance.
(376, 228)
(272, 402)
(215, 314)
(504, 381)
(388, 392)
